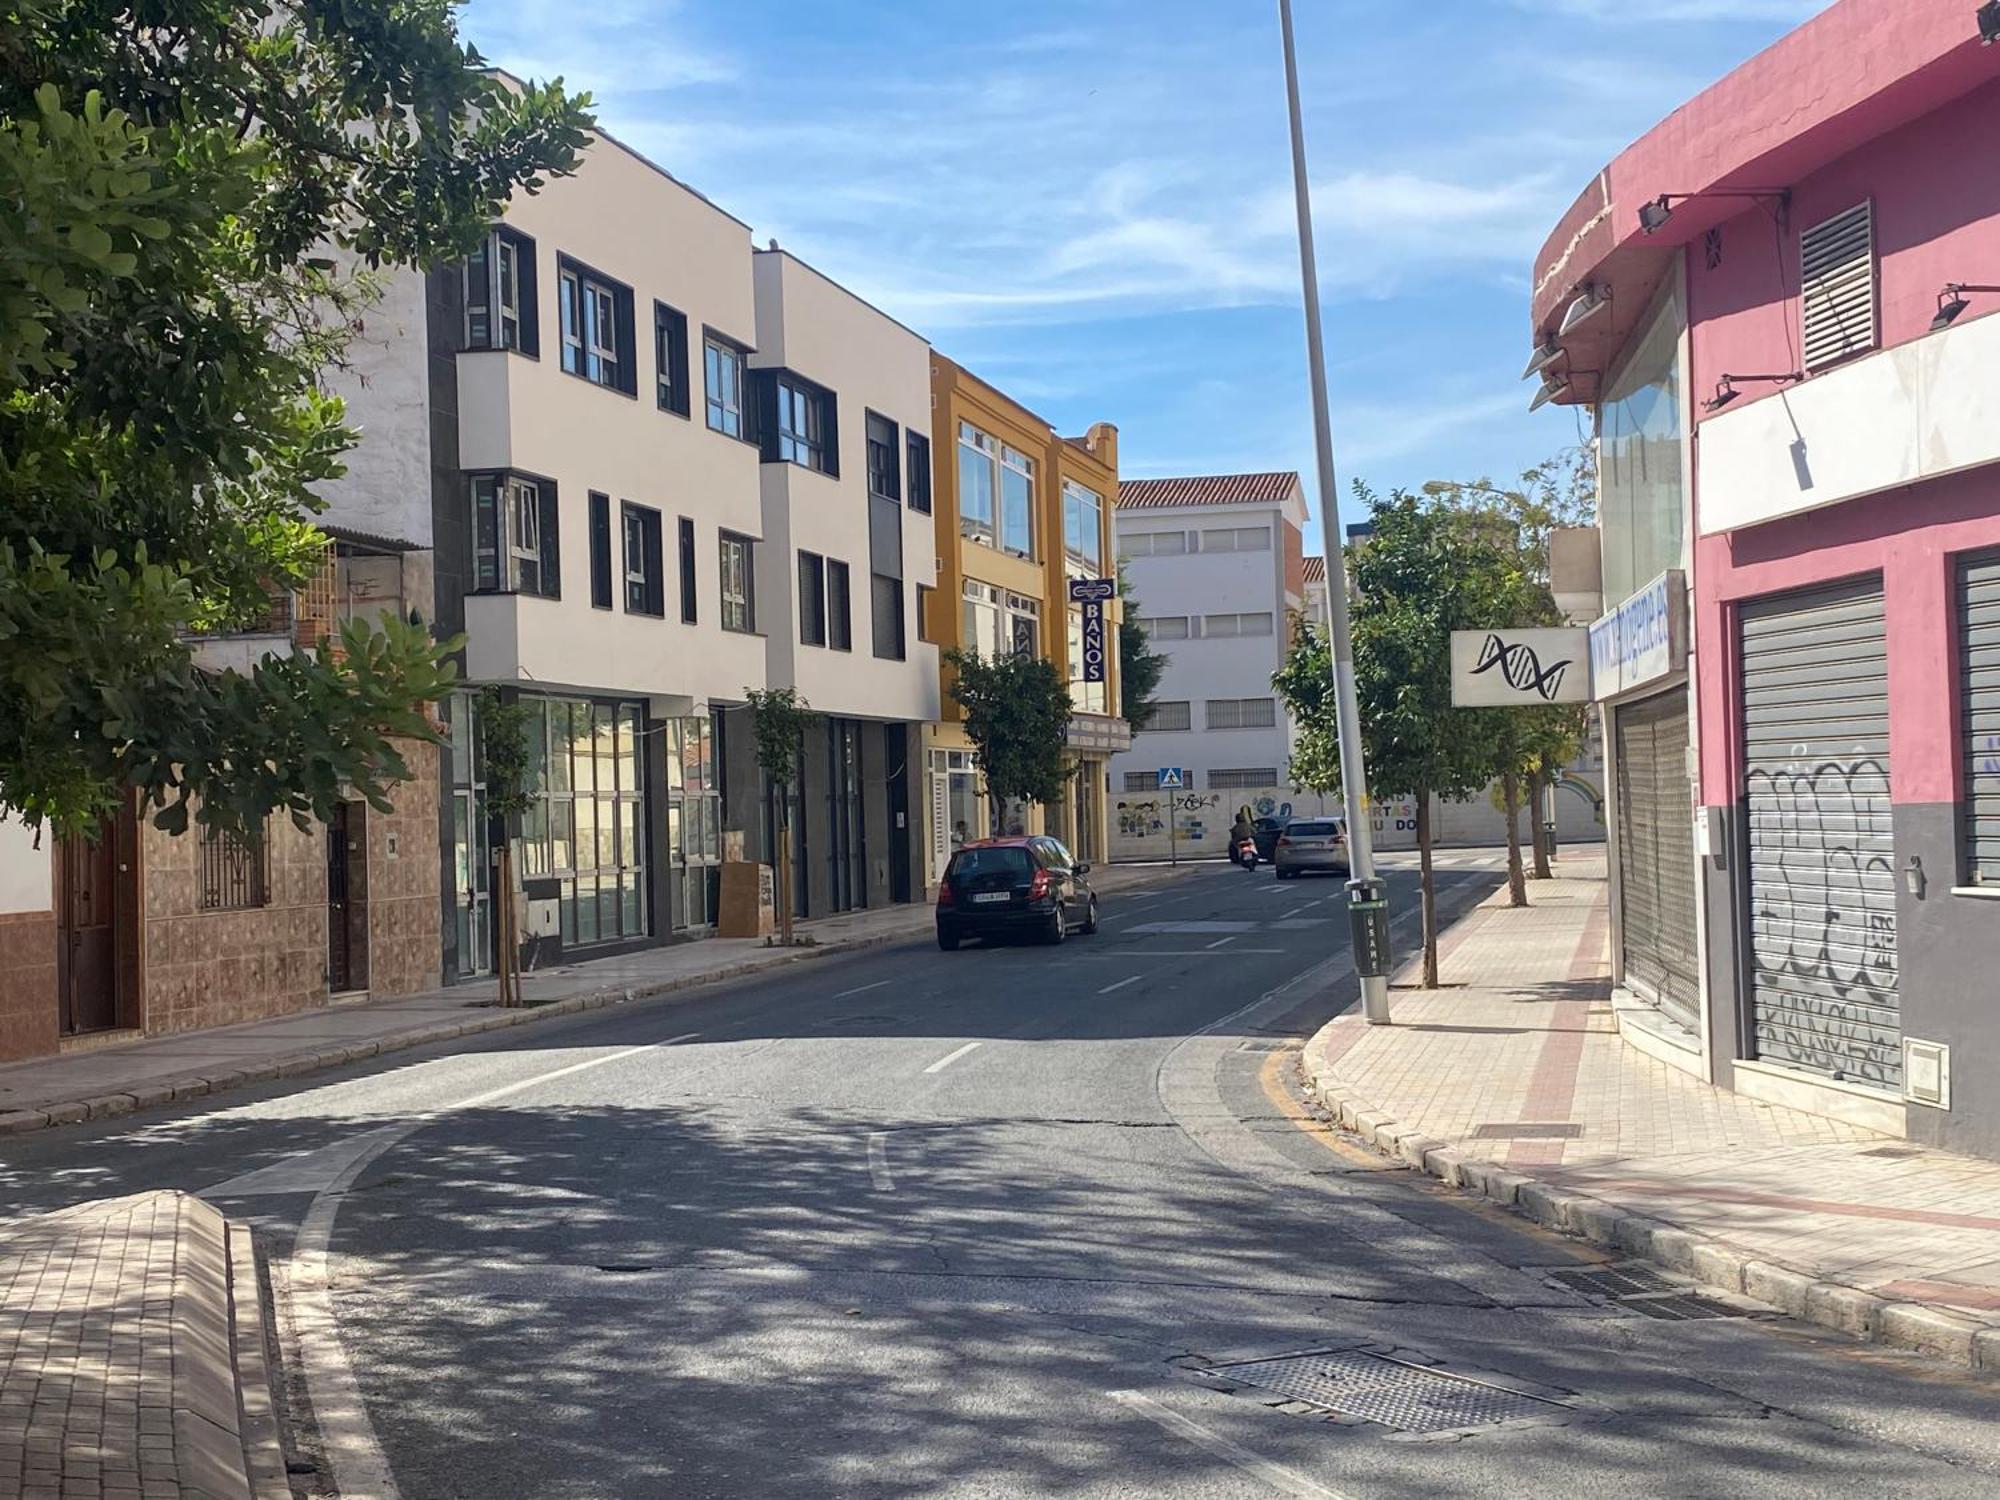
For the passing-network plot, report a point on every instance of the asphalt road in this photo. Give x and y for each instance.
(914, 1224)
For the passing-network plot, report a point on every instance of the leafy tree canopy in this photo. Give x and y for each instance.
(1140, 667)
(193, 196)
(779, 719)
(1017, 713)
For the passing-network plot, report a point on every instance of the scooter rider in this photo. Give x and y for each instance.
(1242, 832)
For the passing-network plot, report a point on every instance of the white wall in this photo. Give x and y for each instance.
(387, 488)
(26, 873)
(1914, 412)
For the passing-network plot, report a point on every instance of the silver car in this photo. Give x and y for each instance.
(1309, 844)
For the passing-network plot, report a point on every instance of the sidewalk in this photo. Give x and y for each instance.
(1514, 1083)
(94, 1083)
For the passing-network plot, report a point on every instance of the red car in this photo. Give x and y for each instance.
(1012, 888)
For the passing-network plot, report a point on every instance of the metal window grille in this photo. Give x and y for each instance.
(1242, 713)
(1142, 781)
(235, 872)
(1837, 286)
(1241, 779)
(1172, 716)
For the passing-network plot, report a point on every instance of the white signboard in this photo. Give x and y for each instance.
(1643, 639)
(1519, 668)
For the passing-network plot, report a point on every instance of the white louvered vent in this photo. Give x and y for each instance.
(1837, 286)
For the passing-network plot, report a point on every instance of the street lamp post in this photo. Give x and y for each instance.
(1366, 894)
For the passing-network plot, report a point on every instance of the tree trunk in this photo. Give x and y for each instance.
(1429, 889)
(785, 870)
(504, 926)
(1517, 884)
(1545, 833)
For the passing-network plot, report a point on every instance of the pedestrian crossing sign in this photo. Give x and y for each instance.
(1172, 779)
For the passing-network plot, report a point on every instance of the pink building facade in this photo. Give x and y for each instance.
(1773, 301)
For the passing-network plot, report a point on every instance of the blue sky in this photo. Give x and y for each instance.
(1089, 203)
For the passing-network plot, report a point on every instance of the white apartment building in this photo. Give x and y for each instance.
(1216, 567)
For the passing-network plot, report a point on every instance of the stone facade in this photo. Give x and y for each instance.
(27, 984)
(404, 872)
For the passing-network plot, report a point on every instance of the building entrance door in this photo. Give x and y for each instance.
(347, 899)
(95, 918)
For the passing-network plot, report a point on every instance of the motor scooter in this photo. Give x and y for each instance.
(1244, 853)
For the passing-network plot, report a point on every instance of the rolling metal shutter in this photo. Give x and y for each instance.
(1656, 856)
(1822, 868)
(1979, 644)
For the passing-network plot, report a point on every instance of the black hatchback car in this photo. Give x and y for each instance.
(1011, 888)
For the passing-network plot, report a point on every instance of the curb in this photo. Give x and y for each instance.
(292, 1065)
(1954, 1337)
(257, 1419)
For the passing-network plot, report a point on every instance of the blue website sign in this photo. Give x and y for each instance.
(1643, 639)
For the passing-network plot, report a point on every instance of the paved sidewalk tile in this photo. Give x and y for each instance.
(150, 1071)
(1517, 1062)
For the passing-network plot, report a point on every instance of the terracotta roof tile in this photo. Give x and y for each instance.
(1206, 489)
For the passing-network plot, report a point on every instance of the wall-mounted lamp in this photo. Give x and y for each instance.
(1552, 387)
(1913, 872)
(1726, 392)
(1590, 302)
(1989, 23)
(1653, 215)
(1951, 300)
(1549, 351)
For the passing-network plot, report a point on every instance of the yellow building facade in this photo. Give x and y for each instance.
(1020, 511)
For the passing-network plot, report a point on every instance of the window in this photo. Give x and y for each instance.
(1224, 625)
(978, 485)
(886, 617)
(690, 609)
(839, 607)
(600, 551)
(1083, 526)
(1017, 503)
(1242, 713)
(812, 599)
(235, 871)
(1166, 627)
(1242, 780)
(1641, 512)
(596, 327)
(670, 358)
(586, 828)
(645, 588)
(1171, 716)
(1024, 625)
(1837, 286)
(514, 537)
(739, 611)
(1152, 543)
(1237, 539)
(500, 293)
(885, 471)
(1979, 658)
(804, 425)
(1142, 781)
(925, 593)
(919, 491)
(722, 367)
(996, 621)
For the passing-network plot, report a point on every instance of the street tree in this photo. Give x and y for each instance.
(512, 779)
(779, 722)
(1140, 667)
(1017, 713)
(1421, 574)
(197, 201)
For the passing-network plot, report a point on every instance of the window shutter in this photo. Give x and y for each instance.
(531, 307)
(1837, 286)
(600, 550)
(1979, 654)
(628, 341)
(485, 533)
(551, 540)
(478, 282)
(829, 416)
(764, 403)
(690, 610)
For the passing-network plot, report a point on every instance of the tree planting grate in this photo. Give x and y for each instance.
(1394, 1392)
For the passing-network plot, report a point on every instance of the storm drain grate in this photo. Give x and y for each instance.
(1683, 1307)
(1643, 1290)
(1614, 1281)
(1407, 1397)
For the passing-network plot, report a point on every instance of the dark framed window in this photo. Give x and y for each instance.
(500, 303)
(670, 358)
(235, 871)
(722, 370)
(885, 611)
(515, 542)
(801, 425)
(596, 323)
(739, 583)
(600, 550)
(919, 490)
(885, 472)
(645, 588)
(690, 608)
(839, 607)
(812, 599)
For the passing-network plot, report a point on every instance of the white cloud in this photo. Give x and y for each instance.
(627, 46)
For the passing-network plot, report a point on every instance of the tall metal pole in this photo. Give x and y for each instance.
(1347, 710)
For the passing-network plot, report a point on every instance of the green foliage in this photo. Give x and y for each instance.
(1140, 667)
(1017, 713)
(1559, 492)
(507, 759)
(180, 186)
(779, 720)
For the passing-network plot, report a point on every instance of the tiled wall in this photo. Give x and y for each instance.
(27, 984)
(404, 935)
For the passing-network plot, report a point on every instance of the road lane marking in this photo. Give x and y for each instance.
(1220, 941)
(1296, 911)
(949, 1058)
(1121, 984)
(861, 989)
(1285, 1481)
(878, 1163)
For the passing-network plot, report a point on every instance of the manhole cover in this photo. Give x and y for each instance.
(1394, 1392)
(1641, 1289)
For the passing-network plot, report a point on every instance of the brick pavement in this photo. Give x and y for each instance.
(118, 1376)
(1512, 1080)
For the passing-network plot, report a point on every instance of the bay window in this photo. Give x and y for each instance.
(514, 536)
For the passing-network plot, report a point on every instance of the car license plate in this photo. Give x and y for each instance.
(994, 896)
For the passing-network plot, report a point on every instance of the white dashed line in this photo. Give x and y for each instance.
(1220, 941)
(861, 989)
(949, 1058)
(1121, 984)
